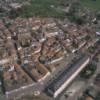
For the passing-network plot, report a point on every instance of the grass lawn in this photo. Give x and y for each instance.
(92, 4)
(43, 8)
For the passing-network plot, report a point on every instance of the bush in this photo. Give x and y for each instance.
(88, 71)
(76, 19)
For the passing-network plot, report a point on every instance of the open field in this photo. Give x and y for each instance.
(92, 4)
(43, 8)
(48, 8)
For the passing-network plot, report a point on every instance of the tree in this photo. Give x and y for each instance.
(88, 71)
(91, 49)
(76, 19)
(97, 96)
(98, 16)
(75, 44)
(42, 59)
(13, 14)
(75, 6)
(87, 37)
(2, 81)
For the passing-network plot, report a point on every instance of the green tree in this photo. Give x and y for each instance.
(76, 19)
(97, 96)
(88, 71)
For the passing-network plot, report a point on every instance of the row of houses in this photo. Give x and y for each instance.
(30, 46)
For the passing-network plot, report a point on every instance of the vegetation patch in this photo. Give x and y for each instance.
(92, 4)
(41, 8)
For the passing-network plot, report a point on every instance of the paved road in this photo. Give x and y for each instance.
(43, 84)
(59, 70)
(85, 85)
(24, 90)
(2, 97)
(74, 88)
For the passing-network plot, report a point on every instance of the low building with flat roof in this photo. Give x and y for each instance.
(37, 72)
(14, 78)
(63, 80)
